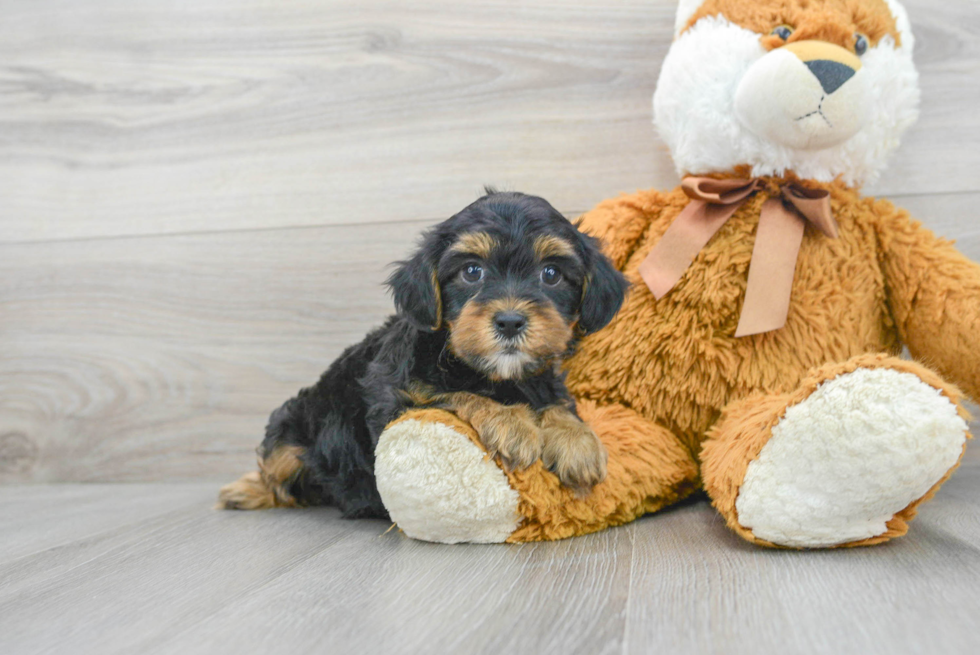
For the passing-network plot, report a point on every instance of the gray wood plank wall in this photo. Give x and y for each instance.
(197, 201)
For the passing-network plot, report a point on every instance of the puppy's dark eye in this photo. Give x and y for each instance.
(471, 273)
(782, 31)
(550, 275)
(860, 44)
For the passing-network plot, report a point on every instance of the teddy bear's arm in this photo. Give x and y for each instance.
(619, 223)
(933, 292)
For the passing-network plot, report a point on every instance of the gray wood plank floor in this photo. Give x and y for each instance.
(197, 205)
(196, 580)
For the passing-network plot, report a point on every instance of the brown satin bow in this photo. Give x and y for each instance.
(777, 243)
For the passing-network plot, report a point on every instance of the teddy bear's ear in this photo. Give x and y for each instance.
(415, 287)
(685, 9)
(603, 289)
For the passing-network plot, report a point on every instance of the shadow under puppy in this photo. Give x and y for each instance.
(488, 307)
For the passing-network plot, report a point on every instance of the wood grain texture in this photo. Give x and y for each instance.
(395, 594)
(76, 512)
(121, 118)
(120, 590)
(195, 580)
(160, 358)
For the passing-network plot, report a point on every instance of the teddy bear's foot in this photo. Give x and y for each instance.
(843, 460)
(439, 484)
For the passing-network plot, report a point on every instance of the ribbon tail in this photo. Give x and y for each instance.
(771, 271)
(681, 243)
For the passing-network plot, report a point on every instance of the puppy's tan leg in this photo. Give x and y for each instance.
(572, 450)
(510, 431)
(266, 487)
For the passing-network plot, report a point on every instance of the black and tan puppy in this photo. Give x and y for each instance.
(488, 307)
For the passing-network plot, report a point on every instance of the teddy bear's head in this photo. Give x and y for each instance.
(822, 88)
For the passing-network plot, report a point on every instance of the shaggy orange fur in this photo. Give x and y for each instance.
(834, 21)
(885, 281)
(685, 378)
(647, 470)
(684, 362)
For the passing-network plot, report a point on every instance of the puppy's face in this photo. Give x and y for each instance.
(512, 281)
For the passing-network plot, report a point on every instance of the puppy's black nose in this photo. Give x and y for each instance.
(509, 324)
(830, 74)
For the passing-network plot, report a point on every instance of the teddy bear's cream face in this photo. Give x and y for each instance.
(808, 95)
(823, 88)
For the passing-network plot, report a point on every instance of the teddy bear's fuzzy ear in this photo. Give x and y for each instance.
(685, 9)
(903, 25)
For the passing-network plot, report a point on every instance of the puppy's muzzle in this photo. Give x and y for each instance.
(510, 324)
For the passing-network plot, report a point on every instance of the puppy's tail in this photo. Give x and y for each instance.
(269, 486)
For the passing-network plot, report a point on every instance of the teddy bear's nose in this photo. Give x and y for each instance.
(831, 74)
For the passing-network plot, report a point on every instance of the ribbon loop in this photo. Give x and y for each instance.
(723, 192)
(814, 205)
(777, 244)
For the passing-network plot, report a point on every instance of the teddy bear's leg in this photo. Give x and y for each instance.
(843, 460)
(439, 484)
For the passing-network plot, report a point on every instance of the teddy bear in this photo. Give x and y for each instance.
(757, 355)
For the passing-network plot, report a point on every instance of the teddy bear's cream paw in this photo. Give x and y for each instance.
(439, 486)
(843, 462)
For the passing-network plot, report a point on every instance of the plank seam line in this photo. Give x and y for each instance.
(320, 226)
(245, 230)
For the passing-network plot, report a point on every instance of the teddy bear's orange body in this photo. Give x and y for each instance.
(684, 364)
(815, 434)
(852, 296)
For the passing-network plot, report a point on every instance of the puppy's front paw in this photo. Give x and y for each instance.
(572, 450)
(511, 432)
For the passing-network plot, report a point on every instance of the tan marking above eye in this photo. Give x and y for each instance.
(479, 244)
(548, 245)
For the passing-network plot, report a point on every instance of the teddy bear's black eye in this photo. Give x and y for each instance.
(860, 44)
(782, 31)
(550, 275)
(471, 273)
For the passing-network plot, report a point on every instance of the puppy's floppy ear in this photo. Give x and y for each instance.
(603, 290)
(415, 287)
